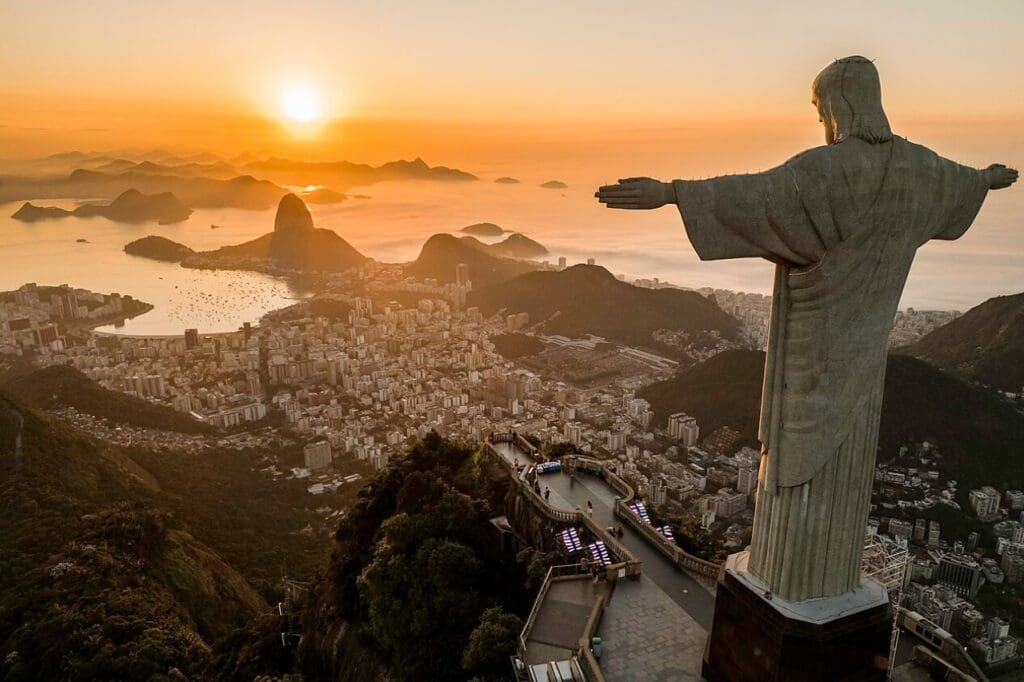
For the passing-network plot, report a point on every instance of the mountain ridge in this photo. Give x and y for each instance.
(985, 344)
(587, 299)
(442, 253)
(975, 429)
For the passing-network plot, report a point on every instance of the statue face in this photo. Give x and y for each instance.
(826, 120)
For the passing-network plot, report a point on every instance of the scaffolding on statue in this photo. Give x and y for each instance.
(885, 560)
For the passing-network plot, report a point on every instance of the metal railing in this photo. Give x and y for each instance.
(585, 655)
(629, 565)
(560, 572)
(676, 554)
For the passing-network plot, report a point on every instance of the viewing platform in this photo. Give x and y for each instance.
(652, 606)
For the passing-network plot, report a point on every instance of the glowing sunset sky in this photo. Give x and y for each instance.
(460, 80)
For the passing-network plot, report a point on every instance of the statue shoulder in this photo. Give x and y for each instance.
(811, 155)
(815, 161)
(912, 148)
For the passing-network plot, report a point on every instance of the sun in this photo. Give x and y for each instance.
(301, 103)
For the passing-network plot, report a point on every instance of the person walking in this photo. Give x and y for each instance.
(590, 509)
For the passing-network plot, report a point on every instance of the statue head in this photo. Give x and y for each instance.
(848, 96)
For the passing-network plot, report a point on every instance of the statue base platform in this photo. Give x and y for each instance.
(756, 638)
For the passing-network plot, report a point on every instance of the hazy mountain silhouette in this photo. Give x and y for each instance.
(322, 195)
(985, 344)
(130, 206)
(345, 174)
(554, 184)
(442, 253)
(201, 180)
(197, 192)
(514, 246)
(483, 230)
(517, 246)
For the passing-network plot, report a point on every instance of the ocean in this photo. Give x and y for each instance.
(393, 223)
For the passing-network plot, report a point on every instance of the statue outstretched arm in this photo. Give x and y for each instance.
(758, 215)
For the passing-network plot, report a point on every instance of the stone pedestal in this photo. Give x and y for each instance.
(757, 639)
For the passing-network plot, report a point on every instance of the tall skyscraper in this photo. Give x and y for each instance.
(191, 338)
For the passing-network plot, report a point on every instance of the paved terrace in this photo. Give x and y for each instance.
(653, 628)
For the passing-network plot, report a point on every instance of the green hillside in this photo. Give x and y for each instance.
(98, 583)
(418, 544)
(64, 386)
(985, 344)
(979, 435)
(587, 299)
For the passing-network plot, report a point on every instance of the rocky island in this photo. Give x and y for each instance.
(158, 248)
(294, 245)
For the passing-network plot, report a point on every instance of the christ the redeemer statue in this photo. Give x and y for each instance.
(842, 222)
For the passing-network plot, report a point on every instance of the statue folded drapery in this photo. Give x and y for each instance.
(842, 222)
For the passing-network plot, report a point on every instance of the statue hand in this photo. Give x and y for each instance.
(1000, 177)
(637, 194)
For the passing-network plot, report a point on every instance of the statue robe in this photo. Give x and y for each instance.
(842, 223)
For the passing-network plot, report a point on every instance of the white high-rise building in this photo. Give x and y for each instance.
(746, 480)
(684, 427)
(985, 502)
(573, 433)
(317, 455)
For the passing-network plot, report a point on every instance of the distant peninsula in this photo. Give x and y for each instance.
(158, 248)
(30, 213)
(483, 230)
(131, 206)
(554, 184)
(505, 180)
(294, 245)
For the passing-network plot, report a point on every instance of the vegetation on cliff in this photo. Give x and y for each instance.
(419, 544)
